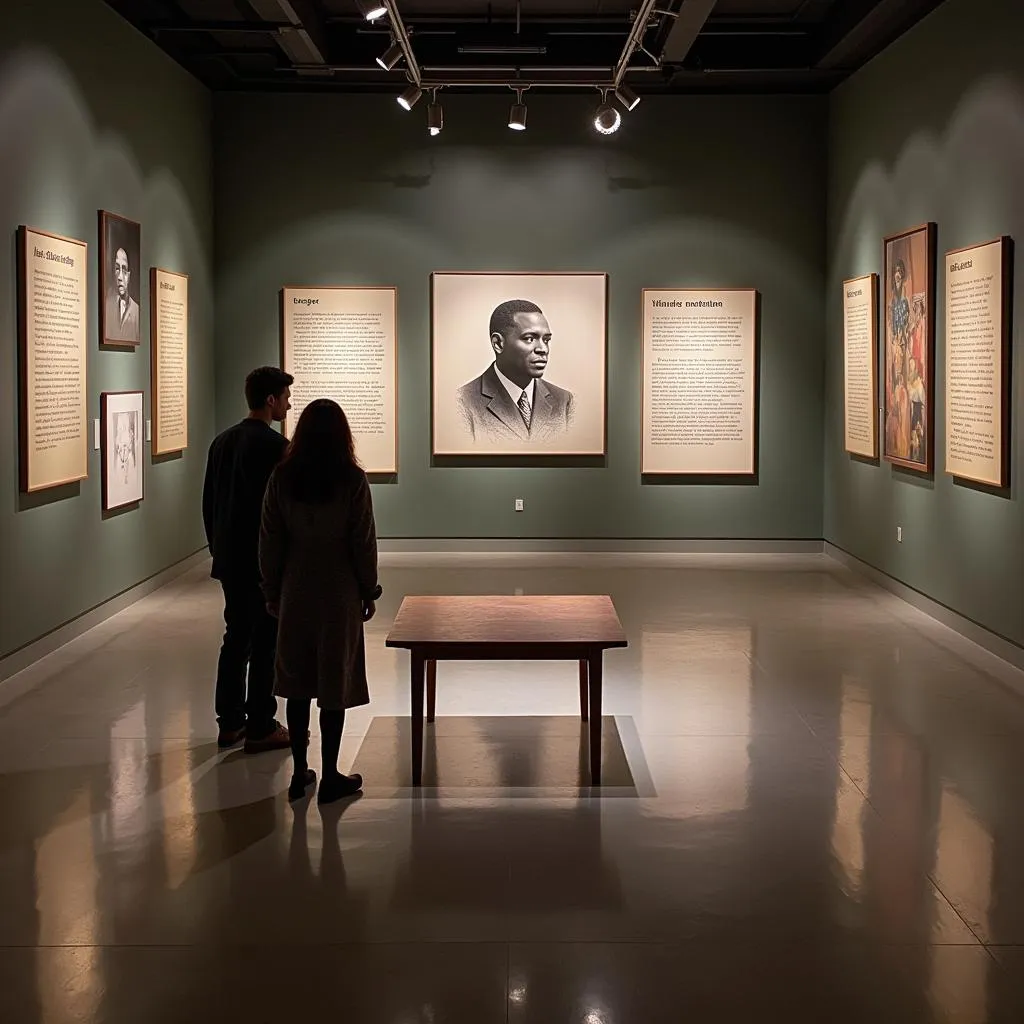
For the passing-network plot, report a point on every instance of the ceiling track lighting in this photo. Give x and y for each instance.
(390, 57)
(371, 10)
(410, 97)
(627, 97)
(517, 113)
(435, 115)
(607, 118)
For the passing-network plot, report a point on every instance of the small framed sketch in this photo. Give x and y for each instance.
(121, 428)
(120, 281)
(910, 348)
(860, 358)
(979, 296)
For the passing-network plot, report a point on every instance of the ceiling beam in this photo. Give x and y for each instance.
(689, 21)
(862, 28)
(302, 35)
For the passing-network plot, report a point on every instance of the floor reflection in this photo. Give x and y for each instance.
(810, 812)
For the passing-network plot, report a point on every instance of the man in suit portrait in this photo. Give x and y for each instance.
(121, 321)
(510, 399)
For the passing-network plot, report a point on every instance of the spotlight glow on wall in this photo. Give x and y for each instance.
(410, 97)
(390, 57)
(607, 118)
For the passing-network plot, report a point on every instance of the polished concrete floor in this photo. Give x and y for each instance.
(813, 813)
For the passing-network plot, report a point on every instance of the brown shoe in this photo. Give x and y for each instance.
(230, 737)
(277, 739)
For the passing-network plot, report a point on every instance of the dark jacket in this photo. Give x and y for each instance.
(237, 470)
(488, 410)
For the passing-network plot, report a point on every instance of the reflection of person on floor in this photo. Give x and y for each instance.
(510, 399)
(318, 559)
(239, 465)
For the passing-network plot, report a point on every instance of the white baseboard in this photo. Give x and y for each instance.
(1004, 650)
(32, 652)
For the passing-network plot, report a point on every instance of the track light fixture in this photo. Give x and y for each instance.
(517, 113)
(410, 97)
(390, 57)
(627, 97)
(435, 115)
(607, 118)
(371, 10)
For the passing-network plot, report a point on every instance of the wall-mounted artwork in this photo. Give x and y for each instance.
(860, 362)
(120, 280)
(979, 290)
(341, 342)
(121, 437)
(910, 348)
(168, 304)
(700, 381)
(519, 363)
(52, 360)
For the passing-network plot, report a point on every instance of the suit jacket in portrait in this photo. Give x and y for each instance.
(488, 411)
(117, 329)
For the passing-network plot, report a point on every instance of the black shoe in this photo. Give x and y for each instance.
(338, 788)
(300, 783)
(230, 737)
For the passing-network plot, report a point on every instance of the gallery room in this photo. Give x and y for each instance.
(510, 511)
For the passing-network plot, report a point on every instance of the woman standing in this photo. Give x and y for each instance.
(318, 560)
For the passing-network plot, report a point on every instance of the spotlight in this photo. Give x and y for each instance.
(435, 118)
(371, 11)
(410, 97)
(607, 118)
(517, 113)
(627, 97)
(390, 57)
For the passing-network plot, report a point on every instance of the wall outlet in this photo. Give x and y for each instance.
(519, 504)
(899, 534)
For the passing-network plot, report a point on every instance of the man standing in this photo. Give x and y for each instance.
(238, 467)
(510, 399)
(122, 312)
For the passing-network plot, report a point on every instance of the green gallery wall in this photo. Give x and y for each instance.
(82, 132)
(702, 191)
(931, 130)
(247, 193)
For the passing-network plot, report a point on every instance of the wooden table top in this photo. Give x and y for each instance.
(536, 619)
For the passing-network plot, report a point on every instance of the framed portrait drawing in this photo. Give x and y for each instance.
(519, 363)
(979, 300)
(52, 360)
(860, 362)
(168, 335)
(121, 435)
(909, 305)
(341, 342)
(120, 281)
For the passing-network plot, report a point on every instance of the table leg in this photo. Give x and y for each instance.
(584, 701)
(431, 690)
(594, 669)
(416, 689)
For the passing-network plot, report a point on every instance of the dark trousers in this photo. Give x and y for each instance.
(250, 642)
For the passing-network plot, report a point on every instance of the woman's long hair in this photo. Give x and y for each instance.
(321, 456)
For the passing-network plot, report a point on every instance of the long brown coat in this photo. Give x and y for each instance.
(319, 563)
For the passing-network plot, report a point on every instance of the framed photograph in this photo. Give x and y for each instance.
(700, 381)
(121, 436)
(342, 343)
(120, 280)
(860, 362)
(52, 360)
(519, 363)
(979, 298)
(168, 315)
(910, 348)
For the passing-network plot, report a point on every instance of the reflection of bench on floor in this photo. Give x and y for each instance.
(532, 628)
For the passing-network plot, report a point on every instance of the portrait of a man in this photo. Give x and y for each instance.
(519, 363)
(511, 398)
(120, 280)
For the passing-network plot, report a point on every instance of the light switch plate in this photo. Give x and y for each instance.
(149, 430)
(519, 504)
(95, 435)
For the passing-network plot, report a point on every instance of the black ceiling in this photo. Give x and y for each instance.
(684, 46)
